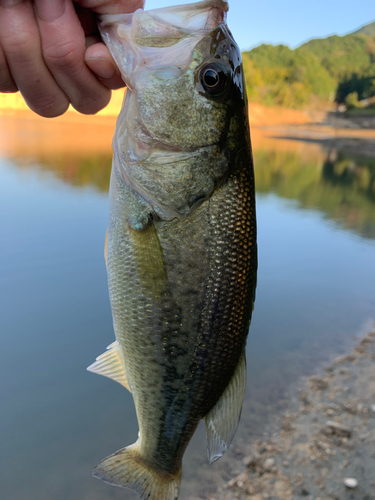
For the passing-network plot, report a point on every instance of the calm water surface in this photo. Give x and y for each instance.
(316, 290)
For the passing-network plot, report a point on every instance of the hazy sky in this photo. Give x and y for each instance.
(291, 22)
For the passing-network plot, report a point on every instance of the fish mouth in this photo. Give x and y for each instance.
(156, 38)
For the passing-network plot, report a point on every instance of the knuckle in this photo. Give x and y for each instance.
(18, 45)
(8, 86)
(63, 55)
(94, 105)
(52, 112)
(7, 83)
(49, 108)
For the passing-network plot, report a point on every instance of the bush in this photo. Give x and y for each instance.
(351, 101)
(318, 70)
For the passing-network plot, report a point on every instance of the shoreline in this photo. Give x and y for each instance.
(25, 134)
(327, 436)
(278, 125)
(328, 129)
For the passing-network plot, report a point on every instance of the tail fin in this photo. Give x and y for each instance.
(126, 469)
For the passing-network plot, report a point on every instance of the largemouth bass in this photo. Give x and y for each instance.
(181, 248)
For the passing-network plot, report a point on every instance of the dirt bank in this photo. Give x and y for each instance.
(264, 116)
(328, 439)
(269, 116)
(328, 129)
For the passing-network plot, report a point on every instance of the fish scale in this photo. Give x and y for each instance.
(182, 254)
(214, 319)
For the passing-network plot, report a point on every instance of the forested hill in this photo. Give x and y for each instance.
(369, 30)
(336, 68)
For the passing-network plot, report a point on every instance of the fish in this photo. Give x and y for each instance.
(181, 245)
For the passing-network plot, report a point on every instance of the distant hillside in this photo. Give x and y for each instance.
(320, 70)
(368, 30)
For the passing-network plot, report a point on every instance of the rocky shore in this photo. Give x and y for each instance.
(325, 450)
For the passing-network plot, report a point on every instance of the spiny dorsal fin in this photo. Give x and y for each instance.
(222, 420)
(111, 365)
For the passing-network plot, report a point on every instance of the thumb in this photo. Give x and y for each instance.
(97, 56)
(100, 61)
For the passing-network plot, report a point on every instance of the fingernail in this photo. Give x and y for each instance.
(101, 67)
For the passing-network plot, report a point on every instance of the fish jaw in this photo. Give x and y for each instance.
(135, 39)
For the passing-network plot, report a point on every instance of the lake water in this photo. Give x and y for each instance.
(316, 290)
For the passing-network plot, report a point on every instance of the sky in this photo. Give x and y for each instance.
(290, 22)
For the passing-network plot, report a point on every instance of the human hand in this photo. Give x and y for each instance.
(50, 50)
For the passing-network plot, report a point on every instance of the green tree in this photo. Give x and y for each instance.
(323, 69)
(351, 100)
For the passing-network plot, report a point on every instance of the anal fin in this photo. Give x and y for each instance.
(222, 420)
(111, 365)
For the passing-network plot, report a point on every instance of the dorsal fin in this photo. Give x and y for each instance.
(111, 365)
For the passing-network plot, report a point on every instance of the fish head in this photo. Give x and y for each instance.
(183, 71)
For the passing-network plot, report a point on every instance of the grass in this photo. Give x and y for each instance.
(360, 112)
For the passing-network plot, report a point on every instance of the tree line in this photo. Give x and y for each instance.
(337, 69)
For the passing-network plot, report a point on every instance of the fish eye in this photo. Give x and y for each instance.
(213, 79)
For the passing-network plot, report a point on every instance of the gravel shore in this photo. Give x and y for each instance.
(326, 449)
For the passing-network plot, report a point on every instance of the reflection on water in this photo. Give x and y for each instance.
(92, 170)
(341, 186)
(316, 290)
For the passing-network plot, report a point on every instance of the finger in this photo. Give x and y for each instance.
(7, 84)
(88, 20)
(63, 46)
(20, 41)
(98, 57)
(100, 61)
(112, 7)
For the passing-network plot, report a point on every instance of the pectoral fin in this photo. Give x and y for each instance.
(150, 258)
(222, 420)
(111, 365)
